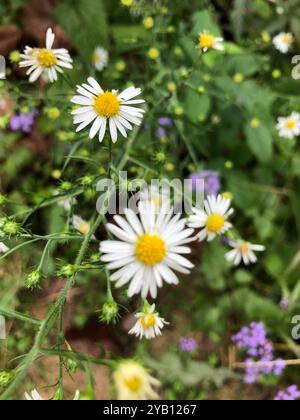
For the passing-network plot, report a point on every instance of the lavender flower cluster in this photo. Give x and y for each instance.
(292, 393)
(187, 344)
(22, 122)
(163, 124)
(211, 179)
(253, 339)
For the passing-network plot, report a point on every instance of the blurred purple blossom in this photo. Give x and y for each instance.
(165, 122)
(284, 304)
(23, 122)
(292, 393)
(187, 344)
(161, 132)
(211, 181)
(260, 352)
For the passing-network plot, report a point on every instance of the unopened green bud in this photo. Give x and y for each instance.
(33, 279)
(160, 157)
(11, 228)
(110, 312)
(66, 186)
(87, 181)
(6, 377)
(94, 258)
(68, 270)
(71, 365)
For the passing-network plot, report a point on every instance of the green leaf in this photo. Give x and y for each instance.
(196, 105)
(260, 142)
(203, 20)
(85, 23)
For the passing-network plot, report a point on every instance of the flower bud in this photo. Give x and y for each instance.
(109, 312)
(33, 280)
(67, 271)
(6, 377)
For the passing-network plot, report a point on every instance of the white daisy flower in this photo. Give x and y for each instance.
(158, 196)
(46, 61)
(212, 220)
(148, 250)
(283, 42)
(35, 396)
(243, 251)
(65, 202)
(100, 58)
(99, 108)
(133, 382)
(289, 127)
(3, 248)
(80, 224)
(207, 41)
(148, 324)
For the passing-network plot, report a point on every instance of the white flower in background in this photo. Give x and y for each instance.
(148, 324)
(148, 250)
(46, 61)
(65, 202)
(80, 224)
(207, 41)
(158, 196)
(100, 108)
(35, 396)
(243, 251)
(283, 42)
(3, 248)
(100, 58)
(289, 127)
(133, 382)
(212, 220)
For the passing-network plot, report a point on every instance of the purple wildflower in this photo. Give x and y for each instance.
(23, 122)
(292, 393)
(260, 352)
(284, 304)
(161, 132)
(210, 179)
(187, 344)
(165, 122)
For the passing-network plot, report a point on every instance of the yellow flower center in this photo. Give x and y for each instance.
(290, 124)
(215, 222)
(207, 40)
(150, 249)
(287, 39)
(84, 228)
(148, 321)
(244, 248)
(107, 105)
(46, 58)
(134, 383)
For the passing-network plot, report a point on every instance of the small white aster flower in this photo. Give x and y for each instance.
(100, 58)
(99, 108)
(289, 127)
(80, 224)
(65, 202)
(148, 324)
(158, 196)
(283, 42)
(207, 41)
(35, 396)
(212, 219)
(133, 382)
(46, 61)
(3, 248)
(148, 250)
(243, 251)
